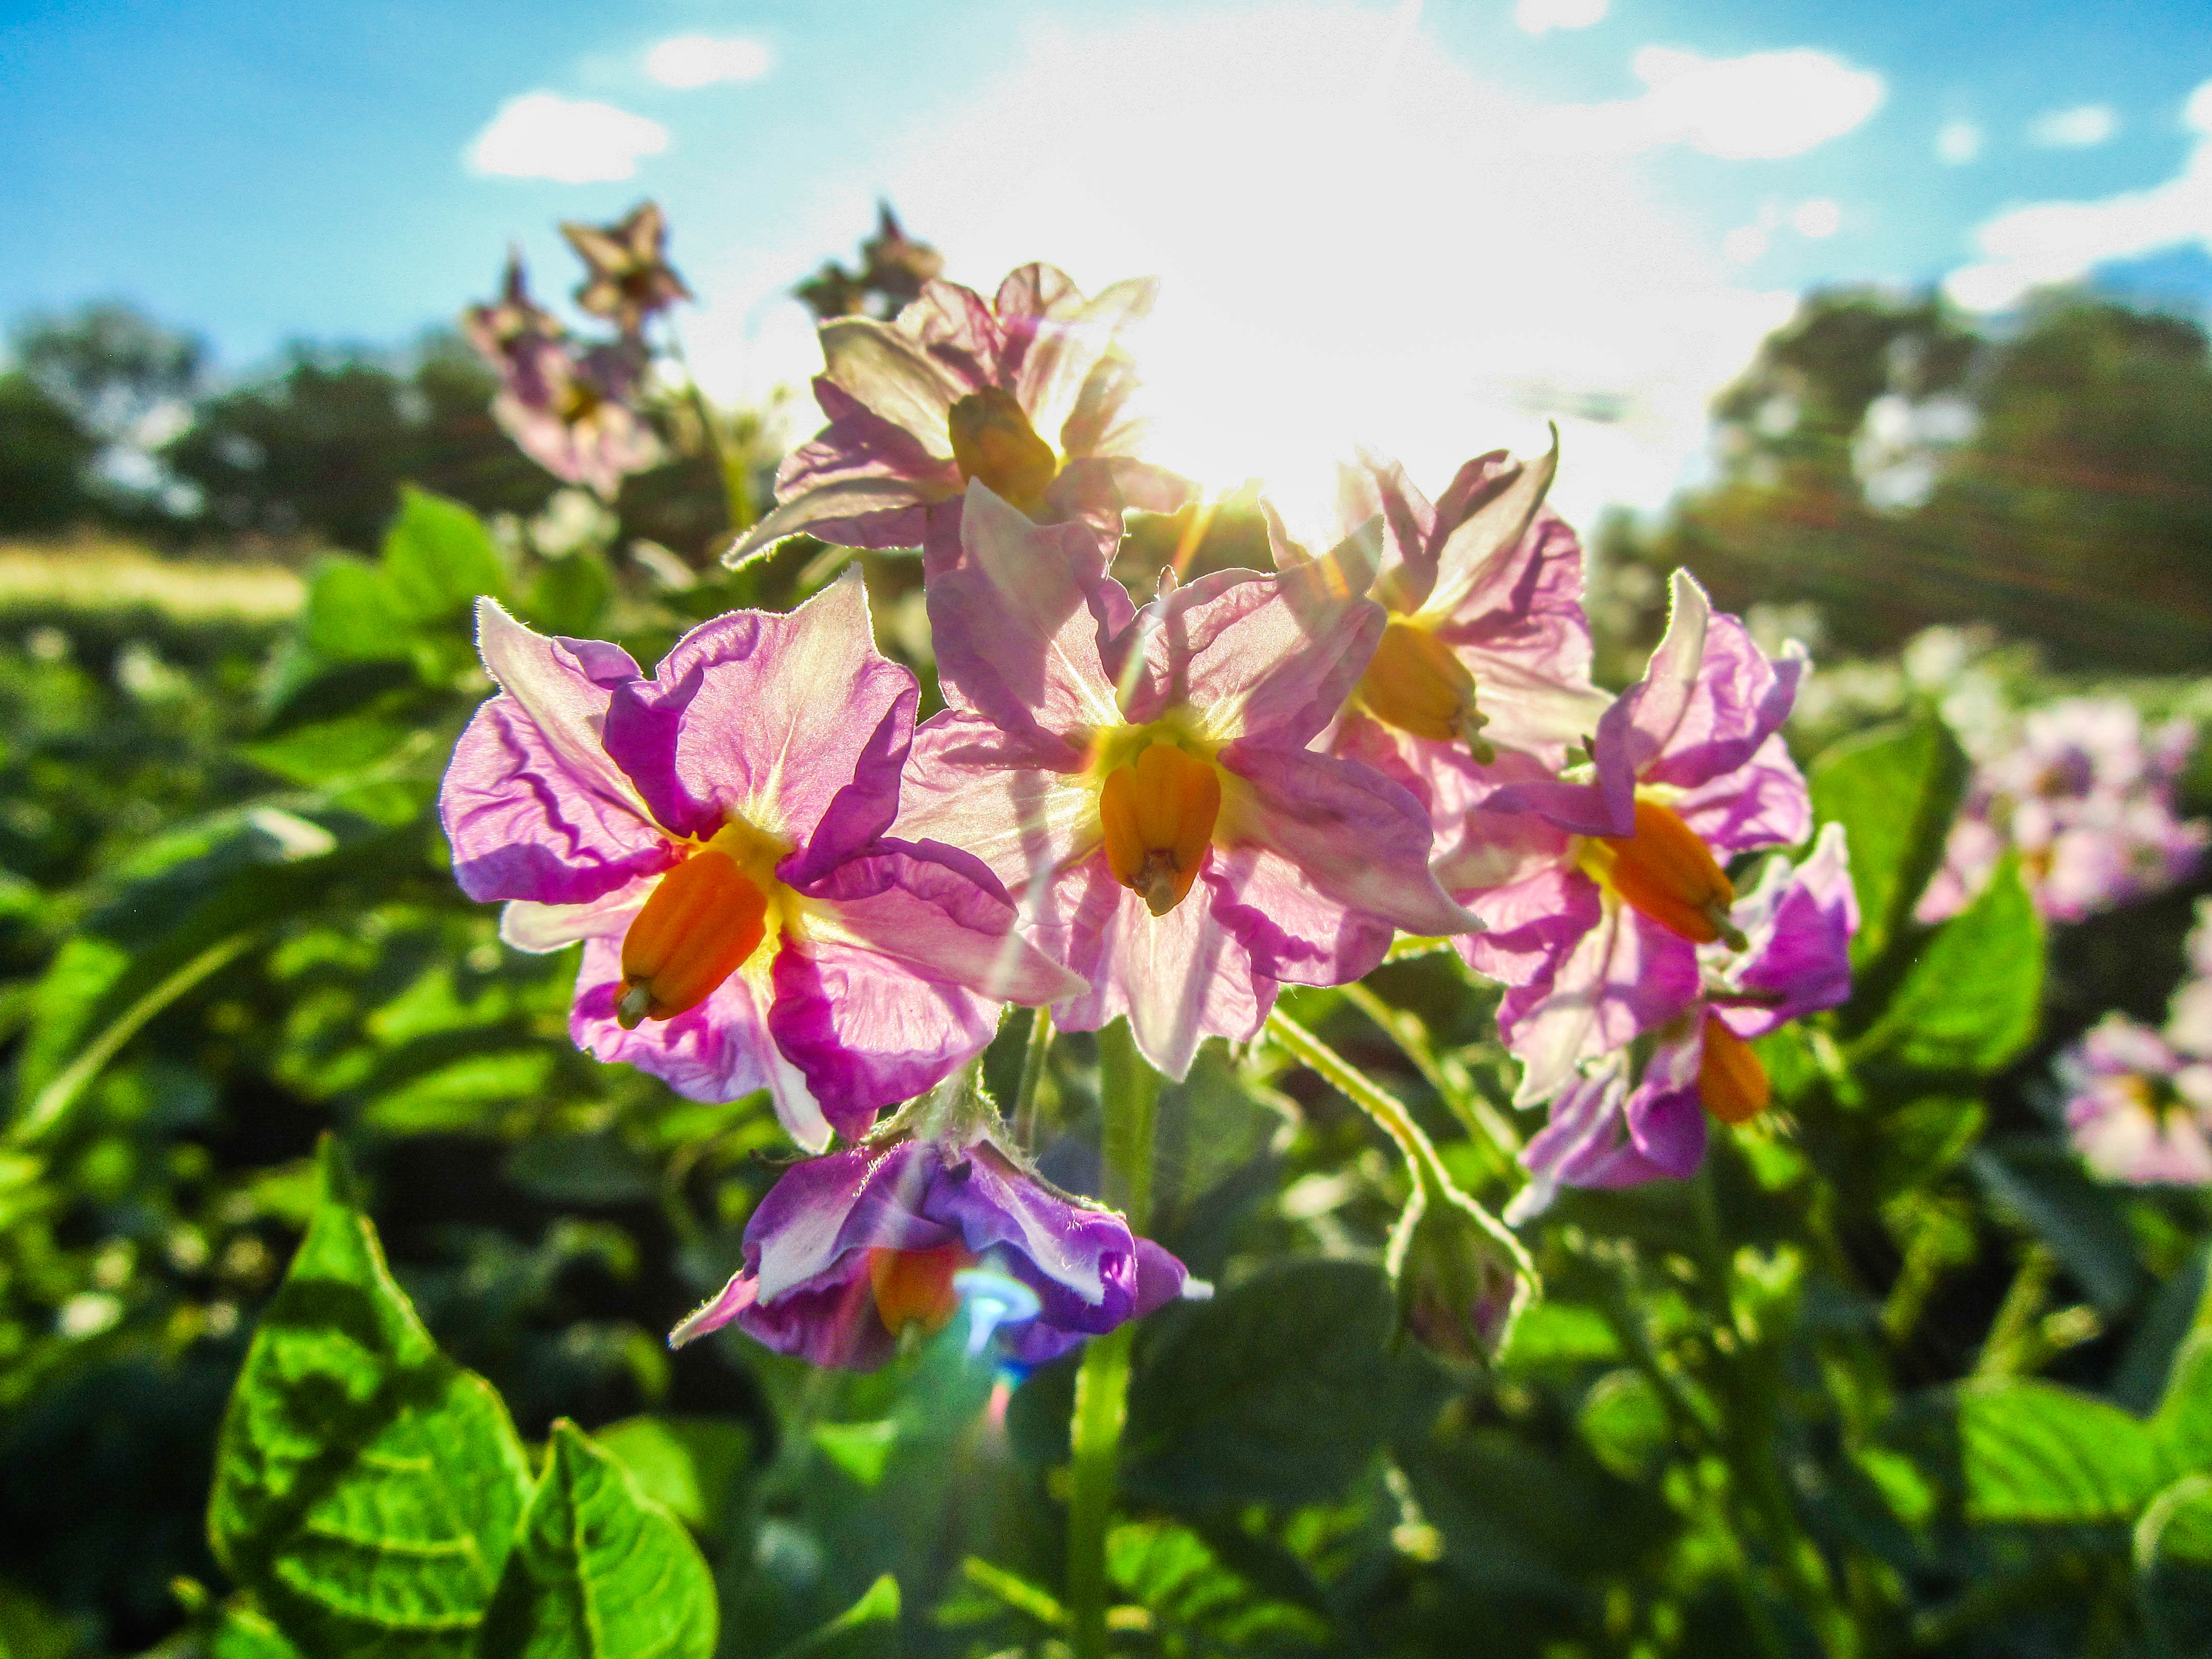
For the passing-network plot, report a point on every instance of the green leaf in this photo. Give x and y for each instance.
(1277, 1391)
(570, 594)
(1894, 790)
(2032, 1451)
(367, 1489)
(1625, 1422)
(2184, 1423)
(869, 1627)
(689, 1466)
(599, 1572)
(355, 614)
(244, 1631)
(1970, 1000)
(861, 1450)
(2173, 1564)
(2042, 1187)
(438, 557)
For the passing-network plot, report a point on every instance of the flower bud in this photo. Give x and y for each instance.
(1664, 870)
(1462, 1279)
(994, 441)
(1731, 1082)
(1157, 813)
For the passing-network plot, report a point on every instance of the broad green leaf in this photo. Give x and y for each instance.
(438, 557)
(2032, 1451)
(330, 748)
(1972, 997)
(1894, 790)
(861, 1450)
(689, 1466)
(599, 1572)
(570, 594)
(2173, 1564)
(244, 1631)
(2184, 1423)
(367, 1489)
(867, 1630)
(1278, 1390)
(355, 613)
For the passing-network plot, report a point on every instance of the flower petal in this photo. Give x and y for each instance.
(889, 372)
(881, 511)
(1623, 977)
(1800, 924)
(539, 928)
(1486, 518)
(1763, 803)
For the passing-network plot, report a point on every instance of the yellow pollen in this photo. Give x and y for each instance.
(915, 1287)
(1664, 870)
(994, 441)
(1731, 1082)
(1159, 813)
(703, 921)
(1416, 683)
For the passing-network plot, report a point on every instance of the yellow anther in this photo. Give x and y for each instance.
(705, 919)
(1731, 1082)
(994, 441)
(1664, 870)
(1158, 813)
(915, 1287)
(1416, 683)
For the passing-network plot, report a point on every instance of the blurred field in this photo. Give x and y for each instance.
(102, 575)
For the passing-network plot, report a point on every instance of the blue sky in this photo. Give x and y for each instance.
(1609, 207)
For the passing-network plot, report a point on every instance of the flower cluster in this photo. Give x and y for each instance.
(1162, 813)
(2085, 796)
(2139, 1101)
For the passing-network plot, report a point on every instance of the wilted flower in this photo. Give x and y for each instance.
(630, 278)
(1460, 1279)
(2087, 797)
(1172, 839)
(1597, 892)
(848, 1252)
(1486, 646)
(2136, 1110)
(571, 411)
(714, 835)
(1025, 393)
(1640, 1115)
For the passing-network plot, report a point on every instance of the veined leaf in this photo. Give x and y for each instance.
(1894, 790)
(1970, 1000)
(2032, 1451)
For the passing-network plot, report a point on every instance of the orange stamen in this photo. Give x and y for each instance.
(1730, 1080)
(1158, 813)
(915, 1287)
(1416, 683)
(1666, 871)
(994, 441)
(705, 918)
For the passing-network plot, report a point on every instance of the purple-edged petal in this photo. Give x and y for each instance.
(822, 1209)
(1624, 977)
(1293, 932)
(765, 716)
(890, 373)
(1800, 926)
(999, 799)
(864, 511)
(721, 1049)
(1530, 924)
(1017, 638)
(1055, 381)
(1763, 803)
(1355, 837)
(1486, 518)
(1737, 700)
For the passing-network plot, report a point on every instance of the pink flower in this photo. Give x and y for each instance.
(1026, 393)
(629, 276)
(1597, 891)
(1486, 646)
(2087, 798)
(573, 412)
(714, 835)
(2136, 1111)
(847, 1252)
(1142, 780)
(1620, 1123)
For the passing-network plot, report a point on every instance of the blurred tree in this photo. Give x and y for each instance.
(892, 269)
(1885, 460)
(44, 454)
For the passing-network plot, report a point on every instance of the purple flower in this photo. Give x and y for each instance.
(2137, 1112)
(571, 411)
(2087, 797)
(1597, 890)
(1026, 392)
(1142, 780)
(714, 835)
(629, 276)
(1486, 646)
(847, 1251)
(1615, 1126)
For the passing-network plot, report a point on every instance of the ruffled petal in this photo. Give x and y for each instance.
(1623, 977)
(892, 373)
(1485, 519)
(1294, 933)
(1687, 735)
(1531, 924)
(538, 928)
(768, 717)
(863, 512)
(1053, 370)
(1764, 803)
(1800, 925)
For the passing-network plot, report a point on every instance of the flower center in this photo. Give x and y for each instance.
(994, 441)
(1664, 871)
(916, 1287)
(1731, 1082)
(576, 402)
(1416, 683)
(704, 920)
(1159, 811)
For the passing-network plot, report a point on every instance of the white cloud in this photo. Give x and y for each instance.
(1744, 244)
(701, 60)
(2061, 241)
(2081, 127)
(571, 141)
(1763, 107)
(1817, 218)
(1536, 16)
(1958, 142)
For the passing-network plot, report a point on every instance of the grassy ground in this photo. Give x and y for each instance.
(98, 575)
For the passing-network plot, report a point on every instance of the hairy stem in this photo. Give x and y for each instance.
(1025, 1094)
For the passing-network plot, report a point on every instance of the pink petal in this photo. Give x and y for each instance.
(1622, 978)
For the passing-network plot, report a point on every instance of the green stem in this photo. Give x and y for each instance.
(1476, 1115)
(1355, 1087)
(1129, 1096)
(1026, 1096)
(2008, 1349)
